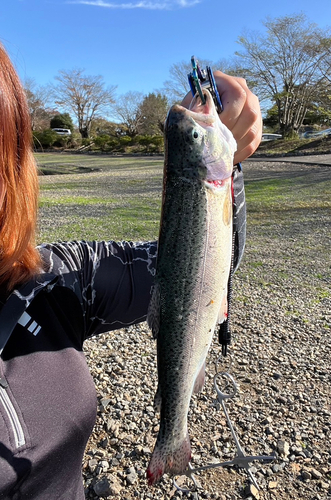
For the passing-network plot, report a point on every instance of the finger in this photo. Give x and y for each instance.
(249, 119)
(248, 144)
(241, 114)
(233, 96)
(233, 93)
(243, 153)
(187, 100)
(248, 130)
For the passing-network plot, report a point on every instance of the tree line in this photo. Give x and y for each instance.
(288, 65)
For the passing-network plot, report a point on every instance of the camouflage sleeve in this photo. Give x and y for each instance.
(111, 280)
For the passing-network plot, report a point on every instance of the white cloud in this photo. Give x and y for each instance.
(142, 4)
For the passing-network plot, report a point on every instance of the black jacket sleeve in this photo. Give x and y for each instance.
(112, 281)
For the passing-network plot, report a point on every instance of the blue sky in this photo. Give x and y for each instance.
(133, 43)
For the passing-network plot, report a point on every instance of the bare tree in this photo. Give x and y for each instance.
(85, 96)
(285, 66)
(177, 86)
(128, 111)
(326, 62)
(38, 98)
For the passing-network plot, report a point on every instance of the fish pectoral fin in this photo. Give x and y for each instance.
(153, 314)
(223, 312)
(200, 380)
(158, 399)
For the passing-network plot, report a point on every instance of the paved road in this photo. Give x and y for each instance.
(308, 160)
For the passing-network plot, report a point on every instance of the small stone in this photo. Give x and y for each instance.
(283, 447)
(104, 464)
(316, 474)
(253, 491)
(306, 475)
(100, 453)
(107, 486)
(131, 476)
(112, 427)
(102, 488)
(272, 485)
(104, 403)
(92, 464)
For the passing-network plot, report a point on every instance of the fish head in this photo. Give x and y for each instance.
(198, 144)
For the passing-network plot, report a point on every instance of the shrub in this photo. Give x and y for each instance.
(102, 142)
(44, 139)
(150, 143)
(113, 143)
(125, 140)
(62, 120)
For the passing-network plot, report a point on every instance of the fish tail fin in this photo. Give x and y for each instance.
(164, 460)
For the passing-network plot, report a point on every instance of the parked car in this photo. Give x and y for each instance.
(271, 137)
(62, 131)
(313, 133)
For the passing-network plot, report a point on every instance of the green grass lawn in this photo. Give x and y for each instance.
(288, 215)
(120, 197)
(113, 198)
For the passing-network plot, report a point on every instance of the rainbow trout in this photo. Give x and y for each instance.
(193, 264)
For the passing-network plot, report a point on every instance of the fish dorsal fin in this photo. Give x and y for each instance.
(153, 314)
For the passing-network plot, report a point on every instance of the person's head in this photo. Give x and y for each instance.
(19, 259)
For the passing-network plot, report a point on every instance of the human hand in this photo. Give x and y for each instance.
(241, 113)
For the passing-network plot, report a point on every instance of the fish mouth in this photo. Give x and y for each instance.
(204, 113)
(216, 184)
(201, 127)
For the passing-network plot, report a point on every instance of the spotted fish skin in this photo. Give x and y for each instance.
(193, 264)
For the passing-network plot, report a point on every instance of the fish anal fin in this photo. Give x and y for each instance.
(153, 314)
(200, 380)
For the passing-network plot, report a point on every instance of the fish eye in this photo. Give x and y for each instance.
(195, 134)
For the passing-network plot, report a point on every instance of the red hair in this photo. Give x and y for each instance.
(19, 259)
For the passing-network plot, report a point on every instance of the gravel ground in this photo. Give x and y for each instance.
(280, 358)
